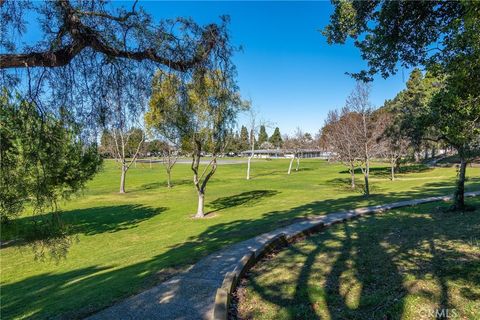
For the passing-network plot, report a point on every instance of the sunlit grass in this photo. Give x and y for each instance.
(412, 263)
(129, 242)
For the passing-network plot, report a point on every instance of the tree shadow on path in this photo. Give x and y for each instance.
(367, 268)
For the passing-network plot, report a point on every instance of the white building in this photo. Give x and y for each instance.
(280, 153)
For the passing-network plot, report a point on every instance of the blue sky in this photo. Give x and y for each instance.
(286, 68)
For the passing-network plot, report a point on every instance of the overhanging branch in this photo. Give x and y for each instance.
(85, 37)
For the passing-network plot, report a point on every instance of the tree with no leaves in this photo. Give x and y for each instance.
(127, 101)
(169, 159)
(337, 137)
(392, 144)
(256, 126)
(253, 132)
(295, 144)
(124, 144)
(365, 130)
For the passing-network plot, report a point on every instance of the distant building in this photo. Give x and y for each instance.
(280, 153)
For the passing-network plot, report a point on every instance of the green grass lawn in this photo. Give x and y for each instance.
(129, 242)
(403, 264)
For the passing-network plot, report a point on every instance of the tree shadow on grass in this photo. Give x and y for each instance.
(344, 184)
(247, 198)
(302, 168)
(385, 172)
(163, 184)
(97, 289)
(89, 221)
(368, 276)
(262, 173)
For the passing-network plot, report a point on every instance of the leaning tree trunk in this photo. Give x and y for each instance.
(290, 166)
(122, 178)
(459, 196)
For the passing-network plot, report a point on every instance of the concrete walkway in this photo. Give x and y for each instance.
(191, 294)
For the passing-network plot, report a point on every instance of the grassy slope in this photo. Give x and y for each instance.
(130, 242)
(404, 264)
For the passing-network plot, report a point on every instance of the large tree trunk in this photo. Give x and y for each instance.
(459, 196)
(201, 200)
(122, 179)
(290, 166)
(298, 163)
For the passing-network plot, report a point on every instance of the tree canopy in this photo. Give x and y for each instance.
(262, 135)
(201, 113)
(85, 43)
(276, 138)
(407, 32)
(43, 159)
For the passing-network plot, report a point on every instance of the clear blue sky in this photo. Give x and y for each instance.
(287, 68)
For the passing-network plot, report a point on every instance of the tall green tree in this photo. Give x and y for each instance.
(201, 112)
(262, 135)
(407, 32)
(43, 159)
(454, 117)
(412, 105)
(434, 110)
(276, 138)
(244, 139)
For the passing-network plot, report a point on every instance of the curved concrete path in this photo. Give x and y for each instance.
(191, 294)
